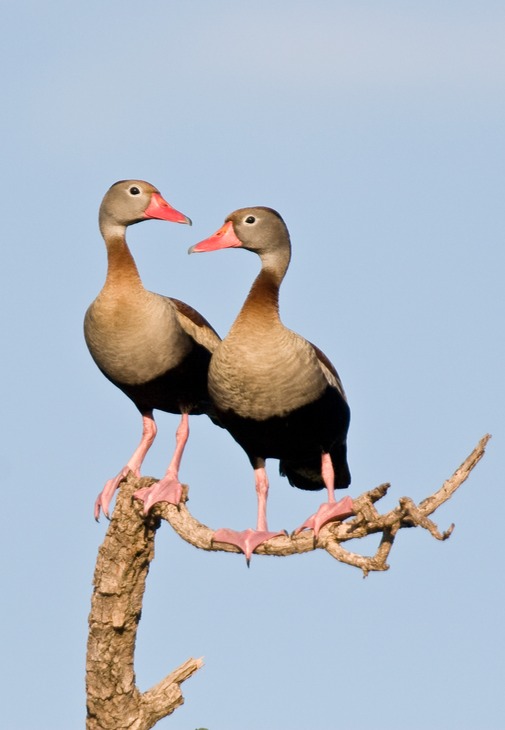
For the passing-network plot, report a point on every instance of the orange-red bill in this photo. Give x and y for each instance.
(225, 237)
(161, 210)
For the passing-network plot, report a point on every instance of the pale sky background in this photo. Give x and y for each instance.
(377, 130)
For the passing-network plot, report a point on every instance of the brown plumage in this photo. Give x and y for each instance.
(278, 395)
(155, 349)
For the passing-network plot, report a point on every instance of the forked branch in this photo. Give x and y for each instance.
(367, 521)
(114, 701)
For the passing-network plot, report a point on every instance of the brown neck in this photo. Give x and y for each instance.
(264, 292)
(262, 302)
(121, 269)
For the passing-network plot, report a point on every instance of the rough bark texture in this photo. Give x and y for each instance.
(114, 702)
(367, 521)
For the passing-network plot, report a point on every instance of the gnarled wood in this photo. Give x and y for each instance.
(114, 702)
(367, 521)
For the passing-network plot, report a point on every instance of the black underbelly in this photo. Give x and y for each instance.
(181, 389)
(302, 434)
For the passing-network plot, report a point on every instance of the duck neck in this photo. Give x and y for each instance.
(121, 268)
(263, 298)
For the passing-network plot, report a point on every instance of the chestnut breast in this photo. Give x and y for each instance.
(135, 338)
(264, 371)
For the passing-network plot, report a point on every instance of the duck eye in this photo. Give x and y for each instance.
(134, 190)
(250, 219)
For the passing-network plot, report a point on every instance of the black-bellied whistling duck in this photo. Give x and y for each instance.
(155, 349)
(277, 394)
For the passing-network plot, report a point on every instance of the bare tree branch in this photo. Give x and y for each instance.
(366, 522)
(114, 702)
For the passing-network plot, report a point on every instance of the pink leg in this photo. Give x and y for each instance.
(262, 486)
(330, 510)
(328, 476)
(135, 462)
(168, 489)
(248, 540)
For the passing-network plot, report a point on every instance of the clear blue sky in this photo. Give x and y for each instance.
(377, 131)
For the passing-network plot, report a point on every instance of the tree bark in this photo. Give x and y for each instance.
(367, 521)
(113, 700)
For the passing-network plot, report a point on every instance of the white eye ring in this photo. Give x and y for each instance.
(134, 190)
(250, 220)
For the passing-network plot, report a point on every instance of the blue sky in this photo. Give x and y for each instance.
(376, 130)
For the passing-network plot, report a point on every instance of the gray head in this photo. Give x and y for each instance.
(257, 229)
(132, 201)
(260, 229)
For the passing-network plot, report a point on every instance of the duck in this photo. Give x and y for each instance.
(154, 348)
(277, 394)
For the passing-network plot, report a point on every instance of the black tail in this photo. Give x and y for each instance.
(307, 474)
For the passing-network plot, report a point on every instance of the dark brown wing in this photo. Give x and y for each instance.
(196, 325)
(329, 368)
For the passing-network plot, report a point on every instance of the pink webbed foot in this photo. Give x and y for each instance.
(168, 489)
(148, 435)
(247, 541)
(104, 498)
(328, 512)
